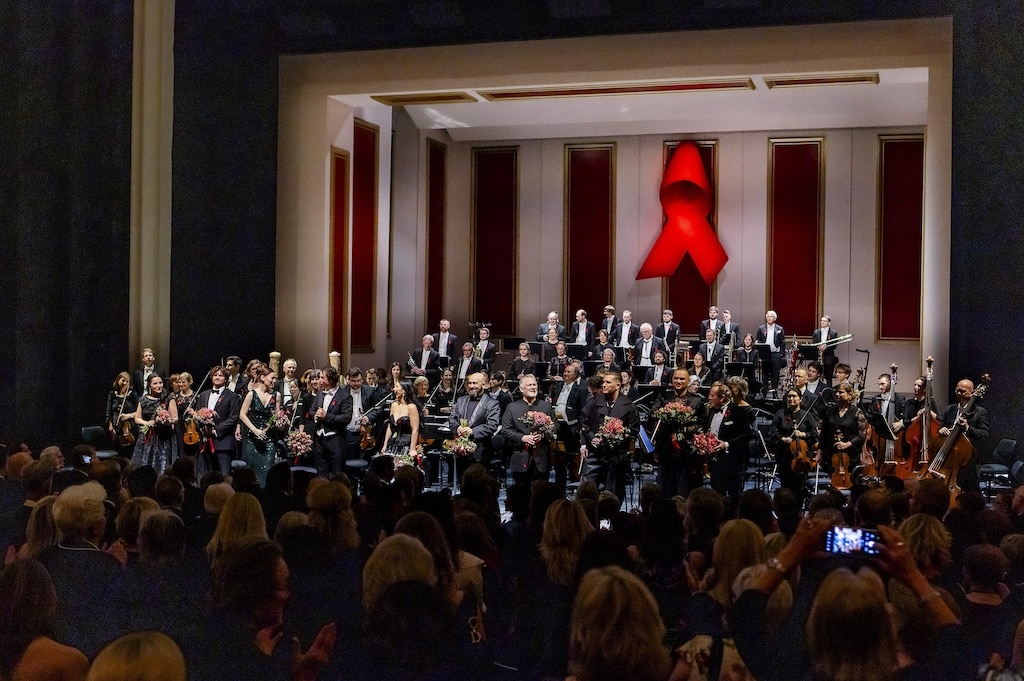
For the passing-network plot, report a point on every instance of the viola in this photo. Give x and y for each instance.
(191, 436)
(367, 442)
(841, 467)
(125, 438)
(801, 463)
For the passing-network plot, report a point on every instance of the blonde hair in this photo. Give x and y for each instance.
(617, 630)
(565, 528)
(41, 532)
(928, 541)
(77, 510)
(849, 631)
(241, 519)
(398, 558)
(330, 512)
(740, 544)
(139, 656)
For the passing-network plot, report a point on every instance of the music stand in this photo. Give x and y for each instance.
(537, 349)
(590, 366)
(511, 344)
(881, 426)
(620, 355)
(576, 351)
(807, 352)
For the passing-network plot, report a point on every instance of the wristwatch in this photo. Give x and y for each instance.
(776, 564)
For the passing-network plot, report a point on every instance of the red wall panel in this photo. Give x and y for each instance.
(495, 220)
(437, 168)
(339, 249)
(589, 228)
(901, 195)
(365, 151)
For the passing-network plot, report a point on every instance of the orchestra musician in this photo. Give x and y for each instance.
(551, 324)
(733, 425)
(646, 346)
(714, 354)
(530, 451)
(729, 327)
(701, 371)
(227, 405)
(974, 426)
(523, 364)
(445, 342)
(626, 333)
(607, 462)
(550, 347)
(441, 402)
(772, 335)
(668, 330)
(610, 321)
(482, 415)
(608, 362)
(485, 349)
(467, 364)
(236, 379)
(712, 322)
(568, 398)
(284, 384)
(913, 405)
(679, 468)
(826, 333)
(140, 378)
(816, 385)
(659, 373)
(630, 387)
(556, 367)
(888, 406)
(602, 344)
(748, 355)
(841, 429)
(423, 360)
(332, 412)
(121, 403)
(582, 331)
(789, 423)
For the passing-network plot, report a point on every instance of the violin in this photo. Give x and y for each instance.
(801, 462)
(191, 436)
(367, 442)
(841, 467)
(125, 438)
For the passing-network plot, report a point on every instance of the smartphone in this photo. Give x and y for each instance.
(606, 524)
(86, 459)
(852, 540)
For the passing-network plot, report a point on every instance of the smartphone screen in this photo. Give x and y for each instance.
(606, 524)
(852, 540)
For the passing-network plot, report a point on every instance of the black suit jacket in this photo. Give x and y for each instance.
(453, 345)
(139, 384)
(475, 365)
(591, 333)
(489, 351)
(734, 329)
(977, 423)
(632, 334)
(736, 430)
(574, 403)
(670, 335)
(433, 370)
(338, 411)
(513, 429)
(875, 407)
(780, 336)
(596, 411)
(609, 324)
(656, 344)
(227, 407)
(716, 361)
(816, 338)
(542, 332)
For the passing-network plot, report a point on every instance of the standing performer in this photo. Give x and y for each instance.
(732, 424)
(793, 438)
(156, 415)
(530, 450)
(569, 398)
(772, 335)
(403, 430)
(332, 413)
(481, 414)
(828, 356)
(841, 430)
(679, 468)
(257, 411)
(607, 458)
(121, 404)
(975, 427)
(220, 447)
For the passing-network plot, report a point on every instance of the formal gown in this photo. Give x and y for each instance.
(259, 453)
(401, 435)
(158, 446)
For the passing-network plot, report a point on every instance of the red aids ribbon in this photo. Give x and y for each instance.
(686, 200)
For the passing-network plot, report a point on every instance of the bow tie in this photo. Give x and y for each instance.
(217, 392)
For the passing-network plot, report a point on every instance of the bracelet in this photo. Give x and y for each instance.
(930, 596)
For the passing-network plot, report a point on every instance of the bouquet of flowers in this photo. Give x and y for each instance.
(679, 419)
(612, 433)
(539, 423)
(205, 418)
(462, 444)
(279, 420)
(162, 419)
(410, 457)
(299, 443)
(706, 444)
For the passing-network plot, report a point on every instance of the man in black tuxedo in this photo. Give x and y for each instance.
(227, 405)
(530, 452)
(551, 323)
(817, 386)
(582, 330)
(140, 378)
(668, 330)
(610, 320)
(363, 411)
(445, 342)
(237, 381)
(774, 336)
(712, 322)
(826, 333)
(424, 361)
(714, 354)
(734, 431)
(732, 328)
(604, 463)
(646, 346)
(626, 333)
(285, 383)
(466, 365)
(679, 469)
(886, 406)
(484, 348)
(482, 414)
(569, 396)
(974, 426)
(332, 413)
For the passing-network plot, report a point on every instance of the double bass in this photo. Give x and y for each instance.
(877, 458)
(956, 451)
(920, 435)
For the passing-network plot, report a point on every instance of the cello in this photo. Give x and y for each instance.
(922, 433)
(956, 451)
(876, 445)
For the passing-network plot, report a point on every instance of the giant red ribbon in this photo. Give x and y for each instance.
(686, 200)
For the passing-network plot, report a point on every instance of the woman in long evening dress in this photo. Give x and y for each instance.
(156, 445)
(258, 408)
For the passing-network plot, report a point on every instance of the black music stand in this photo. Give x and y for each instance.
(576, 351)
(511, 344)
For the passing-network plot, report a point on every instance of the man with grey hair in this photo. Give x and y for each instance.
(646, 346)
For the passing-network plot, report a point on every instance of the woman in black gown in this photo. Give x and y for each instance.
(841, 428)
(121, 404)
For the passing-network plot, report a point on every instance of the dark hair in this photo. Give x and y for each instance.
(331, 374)
(169, 491)
(29, 610)
(161, 536)
(414, 623)
(184, 468)
(243, 578)
(355, 372)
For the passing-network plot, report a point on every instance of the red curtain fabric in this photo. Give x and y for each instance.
(495, 220)
(437, 168)
(339, 249)
(795, 233)
(589, 224)
(365, 152)
(899, 238)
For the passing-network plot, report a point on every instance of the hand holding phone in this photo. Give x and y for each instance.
(847, 540)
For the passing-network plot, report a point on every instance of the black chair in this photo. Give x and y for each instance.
(97, 438)
(995, 471)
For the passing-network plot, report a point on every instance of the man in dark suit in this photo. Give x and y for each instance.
(679, 469)
(482, 414)
(732, 328)
(484, 348)
(530, 451)
(237, 381)
(227, 405)
(285, 383)
(714, 354)
(774, 336)
(551, 323)
(712, 322)
(445, 342)
(363, 411)
(646, 346)
(887, 407)
(424, 360)
(626, 333)
(610, 320)
(140, 378)
(605, 462)
(668, 330)
(974, 425)
(568, 398)
(467, 364)
(582, 330)
(826, 333)
(726, 465)
(332, 412)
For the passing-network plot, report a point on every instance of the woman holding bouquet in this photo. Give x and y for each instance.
(156, 415)
(259, 414)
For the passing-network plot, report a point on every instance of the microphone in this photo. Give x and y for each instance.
(859, 350)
